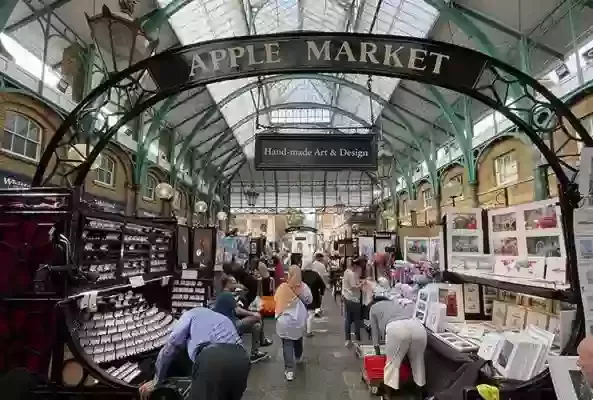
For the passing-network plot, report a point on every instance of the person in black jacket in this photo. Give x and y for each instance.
(317, 286)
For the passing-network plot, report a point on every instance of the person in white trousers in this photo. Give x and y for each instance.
(405, 337)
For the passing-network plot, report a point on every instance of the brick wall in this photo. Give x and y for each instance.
(121, 190)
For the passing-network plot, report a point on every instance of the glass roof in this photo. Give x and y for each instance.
(203, 20)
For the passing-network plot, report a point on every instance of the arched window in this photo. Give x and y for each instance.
(22, 136)
(177, 200)
(106, 170)
(148, 189)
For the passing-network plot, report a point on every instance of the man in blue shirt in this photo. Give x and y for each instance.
(245, 321)
(221, 364)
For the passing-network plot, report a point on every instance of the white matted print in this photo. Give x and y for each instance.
(567, 377)
(366, 246)
(452, 296)
(586, 175)
(416, 249)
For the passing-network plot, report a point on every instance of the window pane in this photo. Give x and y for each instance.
(7, 141)
(31, 150)
(22, 126)
(10, 121)
(18, 145)
(34, 132)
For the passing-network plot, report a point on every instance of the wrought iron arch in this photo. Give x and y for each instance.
(463, 70)
(204, 118)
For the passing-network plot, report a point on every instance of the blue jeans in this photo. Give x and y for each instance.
(291, 350)
(352, 311)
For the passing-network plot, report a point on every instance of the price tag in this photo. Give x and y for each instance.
(136, 281)
(165, 280)
(183, 265)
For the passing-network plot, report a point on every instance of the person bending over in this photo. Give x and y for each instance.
(391, 320)
(291, 318)
(220, 363)
(245, 321)
(315, 282)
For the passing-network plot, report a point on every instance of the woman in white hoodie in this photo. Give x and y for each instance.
(291, 300)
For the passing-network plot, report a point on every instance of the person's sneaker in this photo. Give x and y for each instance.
(289, 375)
(348, 343)
(309, 334)
(258, 356)
(266, 342)
(300, 360)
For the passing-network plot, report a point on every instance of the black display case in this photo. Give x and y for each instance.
(85, 295)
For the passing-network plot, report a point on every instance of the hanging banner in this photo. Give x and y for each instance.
(404, 57)
(296, 152)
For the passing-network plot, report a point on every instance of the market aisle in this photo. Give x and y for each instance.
(330, 372)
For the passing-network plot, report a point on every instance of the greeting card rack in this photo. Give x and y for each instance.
(87, 290)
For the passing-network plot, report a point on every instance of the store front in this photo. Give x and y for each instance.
(10, 180)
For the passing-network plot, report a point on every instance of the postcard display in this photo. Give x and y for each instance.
(527, 244)
(102, 299)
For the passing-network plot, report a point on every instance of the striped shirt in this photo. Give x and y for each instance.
(196, 327)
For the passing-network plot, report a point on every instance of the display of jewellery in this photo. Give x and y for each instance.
(124, 249)
(125, 325)
(190, 292)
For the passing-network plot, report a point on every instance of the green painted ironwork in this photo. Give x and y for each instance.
(153, 21)
(6, 9)
(389, 117)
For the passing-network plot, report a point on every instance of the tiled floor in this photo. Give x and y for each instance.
(330, 371)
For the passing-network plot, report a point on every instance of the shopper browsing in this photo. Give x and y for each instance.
(221, 364)
(291, 318)
(315, 282)
(391, 321)
(244, 320)
(585, 361)
(352, 295)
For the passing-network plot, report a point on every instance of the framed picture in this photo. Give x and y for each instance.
(567, 377)
(452, 296)
(435, 249)
(505, 246)
(416, 249)
(465, 244)
(471, 298)
(457, 342)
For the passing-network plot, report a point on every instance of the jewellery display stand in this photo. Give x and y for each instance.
(93, 290)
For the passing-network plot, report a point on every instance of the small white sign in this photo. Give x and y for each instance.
(136, 281)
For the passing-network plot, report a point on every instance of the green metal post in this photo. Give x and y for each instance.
(541, 189)
(6, 9)
(471, 167)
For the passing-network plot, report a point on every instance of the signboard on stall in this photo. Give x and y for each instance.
(104, 204)
(315, 152)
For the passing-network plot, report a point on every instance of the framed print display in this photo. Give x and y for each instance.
(434, 251)
(457, 342)
(567, 378)
(464, 236)
(366, 246)
(525, 238)
(471, 298)
(452, 296)
(488, 297)
(516, 316)
(203, 255)
(499, 313)
(383, 241)
(416, 249)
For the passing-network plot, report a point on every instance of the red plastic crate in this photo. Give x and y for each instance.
(374, 366)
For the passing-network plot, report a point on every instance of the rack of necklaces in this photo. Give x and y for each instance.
(96, 284)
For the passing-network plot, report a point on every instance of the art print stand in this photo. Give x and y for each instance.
(416, 249)
(527, 243)
(203, 254)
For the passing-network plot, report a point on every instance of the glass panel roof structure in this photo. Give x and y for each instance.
(203, 20)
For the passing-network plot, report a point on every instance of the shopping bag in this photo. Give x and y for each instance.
(268, 306)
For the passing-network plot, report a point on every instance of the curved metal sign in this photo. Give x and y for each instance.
(378, 55)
